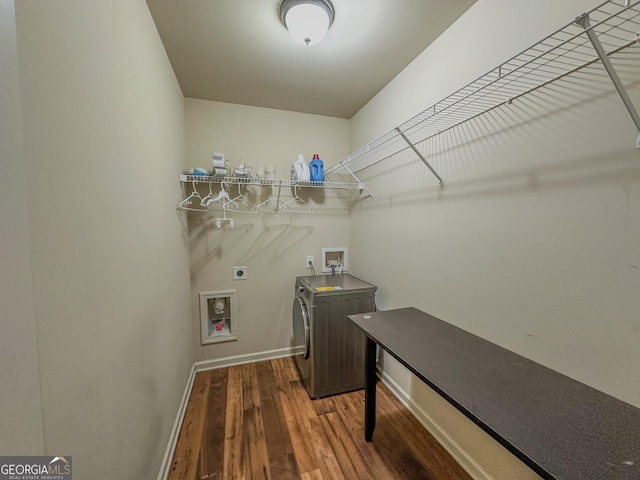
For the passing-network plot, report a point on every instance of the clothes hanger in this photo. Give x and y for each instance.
(220, 221)
(222, 195)
(240, 204)
(211, 200)
(210, 197)
(224, 219)
(272, 200)
(296, 204)
(184, 204)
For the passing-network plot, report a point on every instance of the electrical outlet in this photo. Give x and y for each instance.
(240, 273)
(309, 263)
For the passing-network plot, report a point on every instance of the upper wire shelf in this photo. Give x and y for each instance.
(616, 23)
(264, 182)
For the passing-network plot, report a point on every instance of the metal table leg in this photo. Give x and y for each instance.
(370, 389)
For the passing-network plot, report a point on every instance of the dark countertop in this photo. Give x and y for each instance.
(561, 428)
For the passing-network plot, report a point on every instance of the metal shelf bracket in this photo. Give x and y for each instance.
(420, 156)
(584, 22)
(362, 185)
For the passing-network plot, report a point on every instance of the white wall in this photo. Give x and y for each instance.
(103, 142)
(21, 412)
(272, 247)
(534, 241)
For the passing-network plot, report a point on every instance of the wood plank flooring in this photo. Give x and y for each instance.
(256, 421)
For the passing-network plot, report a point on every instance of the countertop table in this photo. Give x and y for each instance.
(561, 428)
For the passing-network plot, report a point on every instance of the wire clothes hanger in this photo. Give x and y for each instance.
(296, 204)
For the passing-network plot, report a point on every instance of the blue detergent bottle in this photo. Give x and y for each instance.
(316, 169)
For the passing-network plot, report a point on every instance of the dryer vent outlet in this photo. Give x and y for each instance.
(240, 273)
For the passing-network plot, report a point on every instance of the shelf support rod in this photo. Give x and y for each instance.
(362, 185)
(583, 21)
(420, 156)
(278, 197)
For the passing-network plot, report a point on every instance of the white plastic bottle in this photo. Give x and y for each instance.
(300, 170)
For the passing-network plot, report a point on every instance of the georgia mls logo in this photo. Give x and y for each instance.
(60, 465)
(35, 468)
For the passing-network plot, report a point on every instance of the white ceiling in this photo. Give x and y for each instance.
(238, 51)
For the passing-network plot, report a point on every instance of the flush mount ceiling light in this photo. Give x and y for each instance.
(307, 20)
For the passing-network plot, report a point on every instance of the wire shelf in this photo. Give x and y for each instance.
(284, 196)
(264, 182)
(616, 24)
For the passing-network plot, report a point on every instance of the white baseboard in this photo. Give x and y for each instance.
(165, 466)
(247, 358)
(201, 367)
(459, 455)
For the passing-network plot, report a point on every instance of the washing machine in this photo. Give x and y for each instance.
(331, 358)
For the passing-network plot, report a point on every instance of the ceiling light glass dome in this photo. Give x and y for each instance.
(307, 20)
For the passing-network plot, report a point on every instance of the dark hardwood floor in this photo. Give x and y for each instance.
(257, 421)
